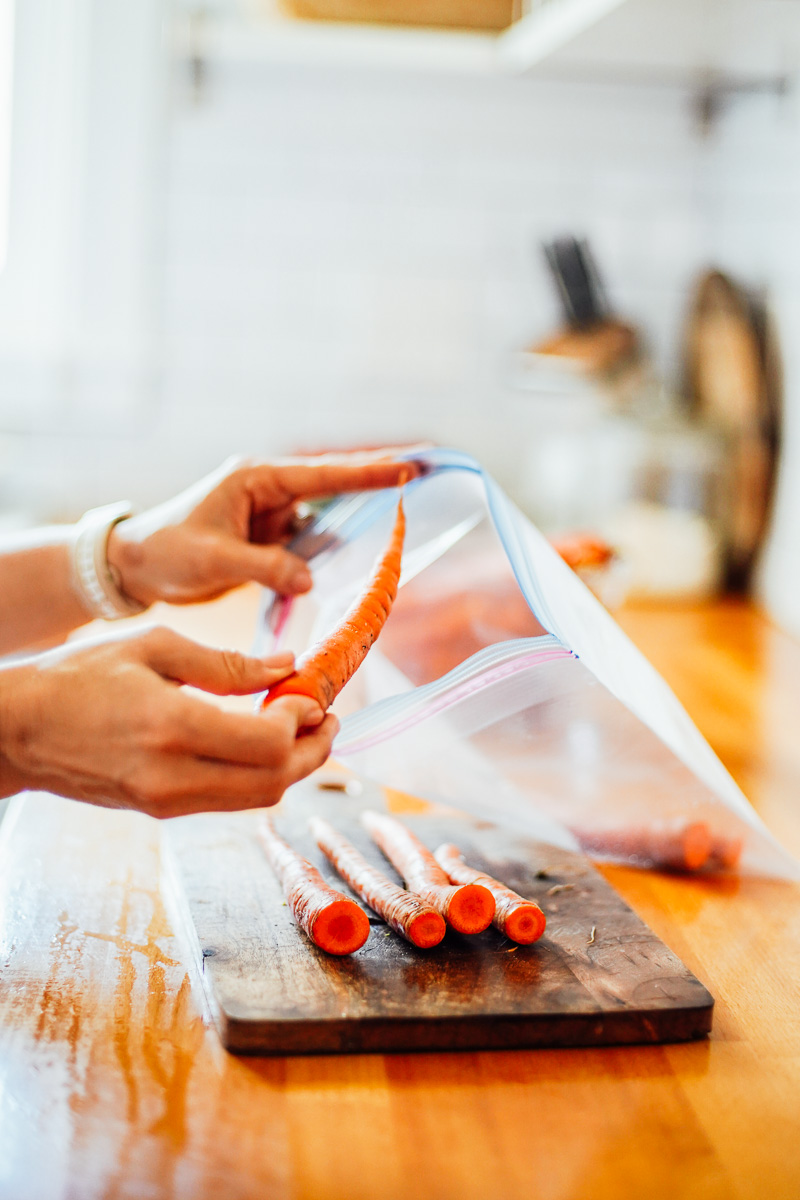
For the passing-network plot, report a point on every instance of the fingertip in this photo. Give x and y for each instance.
(311, 714)
(305, 712)
(277, 662)
(302, 581)
(297, 579)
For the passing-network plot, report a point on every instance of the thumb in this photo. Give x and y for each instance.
(273, 566)
(222, 672)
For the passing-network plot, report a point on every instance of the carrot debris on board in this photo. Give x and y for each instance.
(406, 912)
(323, 670)
(678, 846)
(468, 908)
(333, 922)
(519, 919)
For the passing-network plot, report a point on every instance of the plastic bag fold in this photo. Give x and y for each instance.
(501, 686)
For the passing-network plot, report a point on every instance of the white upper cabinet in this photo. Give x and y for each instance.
(693, 41)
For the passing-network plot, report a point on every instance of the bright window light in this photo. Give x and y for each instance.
(6, 74)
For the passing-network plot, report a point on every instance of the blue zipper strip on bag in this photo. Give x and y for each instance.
(386, 718)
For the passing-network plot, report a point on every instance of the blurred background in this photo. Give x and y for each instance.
(563, 236)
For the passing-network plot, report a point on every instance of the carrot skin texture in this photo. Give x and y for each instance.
(323, 670)
(468, 908)
(519, 919)
(405, 912)
(333, 921)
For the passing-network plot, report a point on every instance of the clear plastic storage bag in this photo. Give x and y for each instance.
(501, 686)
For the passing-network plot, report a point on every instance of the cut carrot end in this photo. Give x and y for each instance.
(471, 909)
(426, 930)
(525, 924)
(341, 928)
(696, 845)
(726, 852)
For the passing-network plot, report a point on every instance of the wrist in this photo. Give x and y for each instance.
(97, 578)
(13, 777)
(126, 561)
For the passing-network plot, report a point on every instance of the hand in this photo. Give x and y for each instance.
(108, 722)
(232, 527)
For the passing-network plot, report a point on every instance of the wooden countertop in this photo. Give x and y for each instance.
(112, 1085)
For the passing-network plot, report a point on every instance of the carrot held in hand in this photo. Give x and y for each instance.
(407, 914)
(519, 919)
(324, 669)
(469, 908)
(333, 922)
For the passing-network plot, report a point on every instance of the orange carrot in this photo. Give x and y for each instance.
(519, 919)
(333, 922)
(469, 908)
(407, 914)
(680, 845)
(725, 852)
(324, 669)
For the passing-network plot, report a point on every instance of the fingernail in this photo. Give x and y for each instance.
(313, 714)
(284, 659)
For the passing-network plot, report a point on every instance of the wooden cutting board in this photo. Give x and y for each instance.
(599, 976)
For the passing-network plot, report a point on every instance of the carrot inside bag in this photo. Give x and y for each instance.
(682, 845)
(324, 669)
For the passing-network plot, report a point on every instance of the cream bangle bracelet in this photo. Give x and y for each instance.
(93, 578)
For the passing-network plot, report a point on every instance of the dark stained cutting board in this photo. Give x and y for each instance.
(599, 976)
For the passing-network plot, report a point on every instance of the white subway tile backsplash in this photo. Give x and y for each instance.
(338, 236)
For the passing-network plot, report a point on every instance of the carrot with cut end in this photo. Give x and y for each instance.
(519, 919)
(407, 914)
(679, 846)
(469, 908)
(725, 852)
(333, 922)
(323, 670)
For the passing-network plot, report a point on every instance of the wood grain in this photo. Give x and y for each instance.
(598, 977)
(113, 1085)
(454, 14)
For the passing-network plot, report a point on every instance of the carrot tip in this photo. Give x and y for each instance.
(341, 928)
(525, 925)
(696, 845)
(427, 930)
(726, 852)
(471, 909)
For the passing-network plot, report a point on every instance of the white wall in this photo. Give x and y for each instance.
(352, 256)
(753, 231)
(77, 290)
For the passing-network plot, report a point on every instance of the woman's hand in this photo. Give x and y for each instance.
(109, 723)
(232, 527)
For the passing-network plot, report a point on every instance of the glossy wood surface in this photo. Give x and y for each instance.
(112, 1084)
